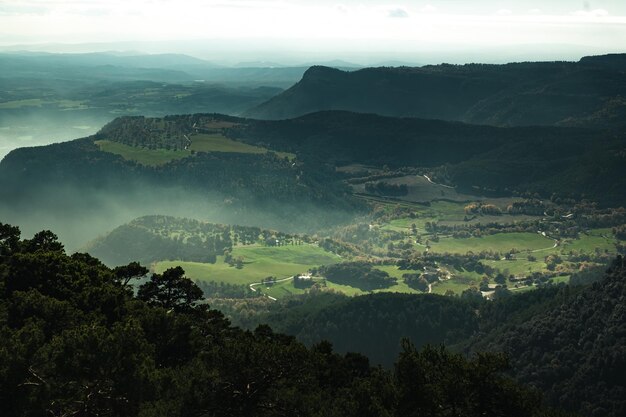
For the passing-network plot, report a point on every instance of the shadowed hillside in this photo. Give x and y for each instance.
(573, 348)
(589, 92)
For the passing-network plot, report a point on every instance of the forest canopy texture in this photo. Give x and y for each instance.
(75, 340)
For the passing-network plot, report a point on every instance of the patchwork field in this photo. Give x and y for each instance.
(501, 242)
(449, 213)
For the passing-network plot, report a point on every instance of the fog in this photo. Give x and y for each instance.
(78, 216)
(43, 129)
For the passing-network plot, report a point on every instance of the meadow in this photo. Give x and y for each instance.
(601, 240)
(286, 288)
(449, 213)
(500, 242)
(144, 156)
(218, 143)
(259, 262)
(199, 143)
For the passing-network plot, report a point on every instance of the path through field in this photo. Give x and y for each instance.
(256, 284)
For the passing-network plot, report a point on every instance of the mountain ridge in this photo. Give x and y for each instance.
(515, 94)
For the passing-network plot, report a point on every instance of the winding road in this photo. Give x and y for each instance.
(434, 183)
(256, 284)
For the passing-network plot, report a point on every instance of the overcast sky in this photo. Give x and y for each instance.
(323, 28)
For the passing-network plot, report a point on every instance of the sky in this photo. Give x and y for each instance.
(321, 29)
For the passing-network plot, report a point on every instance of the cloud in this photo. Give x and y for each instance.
(90, 11)
(342, 8)
(591, 13)
(504, 12)
(428, 9)
(398, 13)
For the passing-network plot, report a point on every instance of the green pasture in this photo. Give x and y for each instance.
(501, 242)
(219, 143)
(144, 156)
(456, 286)
(601, 239)
(199, 143)
(286, 288)
(259, 262)
(519, 266)
(449, 213)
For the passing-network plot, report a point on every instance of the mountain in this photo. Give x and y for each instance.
(98, 66)
(570, 162)
(171, 68)
(138, 166)
(282, 174)
(588, 92)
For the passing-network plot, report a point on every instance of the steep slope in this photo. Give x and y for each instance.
(566, 161)
(549, 93)
(574, 350)
(374, 324)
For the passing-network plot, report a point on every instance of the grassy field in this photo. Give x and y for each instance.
(461, 280)
(456, 286)
(143, 156)
(259, 262)
(501, 242)
(393, 271)
(518, 267)
(286, 288)
(602, 239)
(199, 143)
(219, 143)
(448, 213)
(420, 190)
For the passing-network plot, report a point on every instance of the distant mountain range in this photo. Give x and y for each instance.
(127, 67)
(586, 93)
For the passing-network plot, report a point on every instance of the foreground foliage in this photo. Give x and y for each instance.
(572, 346)
(76, 341)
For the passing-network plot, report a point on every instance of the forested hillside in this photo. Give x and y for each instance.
(283, 174)
(568, 342)
(585, 93)
(155, 238)
(372, 324)
(573, 348)
(76, 341)
(570, 162)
